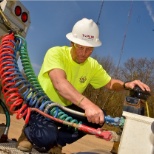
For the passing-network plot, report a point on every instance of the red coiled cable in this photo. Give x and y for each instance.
(11, 94)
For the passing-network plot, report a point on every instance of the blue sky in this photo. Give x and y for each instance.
(127, 24)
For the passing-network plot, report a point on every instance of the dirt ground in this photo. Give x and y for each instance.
(87, 145)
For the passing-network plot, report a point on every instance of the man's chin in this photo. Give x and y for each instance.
(79, 61)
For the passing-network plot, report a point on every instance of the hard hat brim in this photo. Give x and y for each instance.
(83, 42)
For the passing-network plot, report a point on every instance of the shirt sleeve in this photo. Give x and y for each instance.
(53, 59)
(100, 77)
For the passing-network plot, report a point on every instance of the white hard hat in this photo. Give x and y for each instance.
(85, 32)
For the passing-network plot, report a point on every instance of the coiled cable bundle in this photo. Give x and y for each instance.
(19, 92)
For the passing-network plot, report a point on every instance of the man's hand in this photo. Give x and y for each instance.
(94, 114)
(132, 84)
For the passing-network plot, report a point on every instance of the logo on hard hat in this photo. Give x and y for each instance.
(87, 37)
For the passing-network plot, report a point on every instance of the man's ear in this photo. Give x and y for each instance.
(72, 44)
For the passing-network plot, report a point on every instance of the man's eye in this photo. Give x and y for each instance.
(81, 48)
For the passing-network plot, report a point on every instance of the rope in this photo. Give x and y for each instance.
(125, 33)
(100, 13)
(147, 107)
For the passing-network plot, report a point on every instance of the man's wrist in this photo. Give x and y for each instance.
(124, 85)
(78, 103)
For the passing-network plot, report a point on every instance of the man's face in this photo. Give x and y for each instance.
(80, 53)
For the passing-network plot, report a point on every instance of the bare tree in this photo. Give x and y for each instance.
(133, 69)
(141, 69)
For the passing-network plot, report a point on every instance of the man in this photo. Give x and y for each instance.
(65, 74)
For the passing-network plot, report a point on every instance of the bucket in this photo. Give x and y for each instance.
(138, 135)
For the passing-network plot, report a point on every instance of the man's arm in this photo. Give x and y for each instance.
(118, 85)
(93, 113)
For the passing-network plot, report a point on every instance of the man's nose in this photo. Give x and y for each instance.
(83, 51)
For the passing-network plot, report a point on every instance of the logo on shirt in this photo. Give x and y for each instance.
(83, 79)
